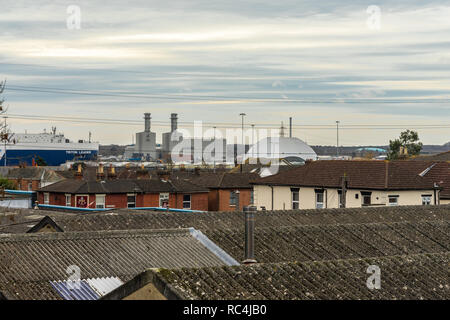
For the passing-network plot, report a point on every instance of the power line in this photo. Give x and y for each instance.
(168, 96)
(165, 124)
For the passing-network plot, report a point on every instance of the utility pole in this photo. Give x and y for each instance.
(253, 140)
(215, 145)
(242, 132)
(5, 137)
(337, 138)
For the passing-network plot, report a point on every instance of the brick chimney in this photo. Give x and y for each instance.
(142, 173)
(164, 175)
(100, 172)
(79, 173)
(112, 172)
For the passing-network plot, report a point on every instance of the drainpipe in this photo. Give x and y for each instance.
(249, 245)
(272, 196)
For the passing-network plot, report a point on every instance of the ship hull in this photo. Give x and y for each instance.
(52, 157)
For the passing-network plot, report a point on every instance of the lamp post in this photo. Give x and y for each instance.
(337, 138)
(242, 132)
(215, 146)
(253, 140)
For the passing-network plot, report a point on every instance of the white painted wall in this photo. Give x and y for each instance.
(283, 201)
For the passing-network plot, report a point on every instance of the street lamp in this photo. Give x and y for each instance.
(242, 132)
(337, 138)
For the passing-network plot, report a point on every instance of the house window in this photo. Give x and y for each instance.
(319, 199)
(164, 200)
(68, 200)
(366, 198)
(131, 200)
(30, 186)
(46, 198)
(100, 201)
(393, 200)
(186, 201)
(426, 199)
(252, 197)
(295, 196)
(233, 198)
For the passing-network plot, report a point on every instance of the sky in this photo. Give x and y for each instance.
(378, 67)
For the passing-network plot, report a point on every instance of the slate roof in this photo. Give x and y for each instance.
(34, 173)
(122, 186)
(223, 180)
(28, 262)
(420, 276)
(378, 175)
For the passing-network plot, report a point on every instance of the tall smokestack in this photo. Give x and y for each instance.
(290, 127)
(173, 122)
(249, 246)
(147, 121)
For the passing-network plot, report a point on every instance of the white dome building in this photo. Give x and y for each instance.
(290, 149)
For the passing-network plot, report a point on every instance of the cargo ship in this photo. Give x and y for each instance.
(47, 148)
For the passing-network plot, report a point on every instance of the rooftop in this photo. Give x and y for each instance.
(418, 276)
(29, 262)
(378, 175)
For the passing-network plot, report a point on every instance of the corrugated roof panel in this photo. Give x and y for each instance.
(104, 286)
(74, 291)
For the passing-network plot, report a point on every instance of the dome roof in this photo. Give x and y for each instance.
(279, 148)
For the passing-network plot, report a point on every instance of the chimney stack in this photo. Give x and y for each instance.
(147, 118)
(173, 122)
(249, 248)
(79, 173)
(100, 172)
(112, 171)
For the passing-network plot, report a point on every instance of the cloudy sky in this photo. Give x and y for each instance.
(317, 61)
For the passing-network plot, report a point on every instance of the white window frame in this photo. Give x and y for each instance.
(234, 195)
(163, 197)
(102, 204)
(426, 199)
(133, 202)
(293, 202)
(392, 203)
(189, 202)
(320, 205)
(68, 200)
(46, 198)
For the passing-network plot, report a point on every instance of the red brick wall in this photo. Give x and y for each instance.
(24, 184)
(224, 199)
(199, 201)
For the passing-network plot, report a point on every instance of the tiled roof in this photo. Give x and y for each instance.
(28, 262)
(382, 175)
(420, 276)
(122, 186)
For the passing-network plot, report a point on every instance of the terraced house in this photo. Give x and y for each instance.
(334, 184)
(112, 194)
